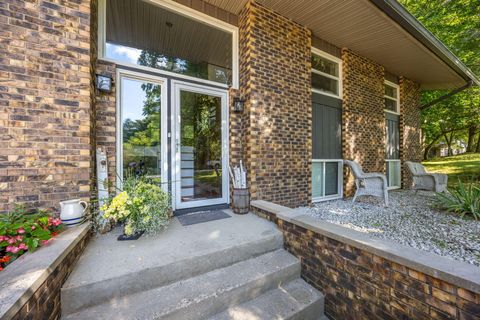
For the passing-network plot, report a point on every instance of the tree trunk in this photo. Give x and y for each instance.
(426, 151)
(449, 143)
(477, 149)
(471, 138)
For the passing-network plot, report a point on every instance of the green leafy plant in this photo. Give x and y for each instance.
(141, 205)
(463, 199)
(21, 232)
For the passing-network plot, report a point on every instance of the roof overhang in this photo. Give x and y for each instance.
(381, 30)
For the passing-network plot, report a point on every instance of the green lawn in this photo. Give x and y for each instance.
(465, 167)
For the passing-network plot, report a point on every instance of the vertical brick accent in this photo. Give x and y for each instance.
(45, 93)
(275, 71)
(363, 117)
(106, 119)
(410, 131)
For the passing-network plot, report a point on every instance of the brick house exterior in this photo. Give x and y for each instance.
(363, 140)
(53, 119)
(45, 102)
(278, 108)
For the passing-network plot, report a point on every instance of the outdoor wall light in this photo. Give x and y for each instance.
(238, 104)
(104, 83)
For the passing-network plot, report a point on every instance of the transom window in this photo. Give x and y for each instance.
(391, 97)
(150, 35)
(326, 74)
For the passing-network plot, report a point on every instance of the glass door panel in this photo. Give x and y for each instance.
(200, 150)
(142, 144)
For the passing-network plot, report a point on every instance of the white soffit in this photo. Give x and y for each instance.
(362, 27)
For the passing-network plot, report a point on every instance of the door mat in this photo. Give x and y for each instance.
(200, 217)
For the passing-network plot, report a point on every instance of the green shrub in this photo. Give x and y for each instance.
(463, 199)
(141, 205)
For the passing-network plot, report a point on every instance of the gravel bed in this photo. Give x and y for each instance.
(410, 219)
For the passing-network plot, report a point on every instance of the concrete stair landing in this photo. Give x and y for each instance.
(238, 271)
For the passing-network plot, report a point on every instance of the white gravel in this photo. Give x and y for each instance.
(411, 220)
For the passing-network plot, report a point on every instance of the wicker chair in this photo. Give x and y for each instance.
(423, 180)
(372, 184)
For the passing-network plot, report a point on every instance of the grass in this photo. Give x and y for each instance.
(464, 167)
(208, 176)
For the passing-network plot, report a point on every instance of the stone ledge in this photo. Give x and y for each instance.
(455, 272)
(21, 279)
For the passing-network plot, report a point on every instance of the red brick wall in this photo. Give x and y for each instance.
(360, 285)
(275, 78)
(410, 131)
(45, 94)
(363, 117)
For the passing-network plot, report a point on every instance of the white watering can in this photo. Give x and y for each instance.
(72, 212)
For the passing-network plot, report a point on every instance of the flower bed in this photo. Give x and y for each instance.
(21, 232)
(411, 219)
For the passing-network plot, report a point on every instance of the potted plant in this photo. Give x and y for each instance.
(142, 206)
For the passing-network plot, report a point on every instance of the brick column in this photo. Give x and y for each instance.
(363, 117)
(410, 131)
(275, 78)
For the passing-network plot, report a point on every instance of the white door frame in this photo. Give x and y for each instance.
(177, 86)
(127, 74)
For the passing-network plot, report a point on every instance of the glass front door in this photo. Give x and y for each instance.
(142, 144)
(200, 145)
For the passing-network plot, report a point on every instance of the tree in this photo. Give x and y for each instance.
(457, 24)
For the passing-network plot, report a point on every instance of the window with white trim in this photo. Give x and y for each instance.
(391, 97)
(392, 131)
(327, 165)
(164, 36)
(326, 78)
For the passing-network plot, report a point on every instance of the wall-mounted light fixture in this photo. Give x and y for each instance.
(104, 83)
(238, 104)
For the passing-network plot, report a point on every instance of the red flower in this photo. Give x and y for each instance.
(5, 259)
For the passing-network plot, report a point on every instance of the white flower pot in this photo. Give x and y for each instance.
(72, 212)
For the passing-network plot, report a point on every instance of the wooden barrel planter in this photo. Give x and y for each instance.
(240, 201)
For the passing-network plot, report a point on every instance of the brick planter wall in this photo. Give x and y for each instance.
(361, 283)
(275, 77)
(30, 287)
(45, 102)
(45, 302)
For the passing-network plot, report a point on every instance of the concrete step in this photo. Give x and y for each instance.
(101, 275)
(295, 300)
(202, 296)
